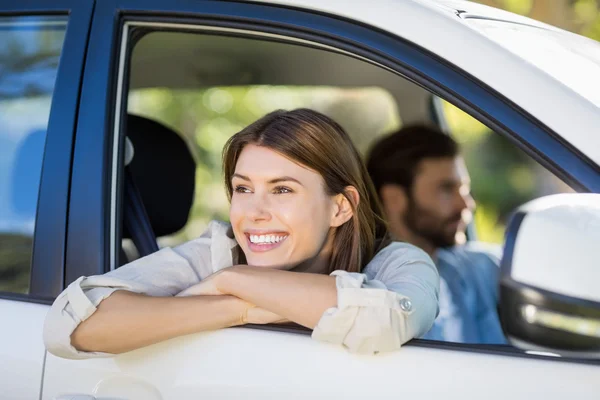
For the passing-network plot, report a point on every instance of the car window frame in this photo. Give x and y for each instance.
(49, 240)
(98, 133)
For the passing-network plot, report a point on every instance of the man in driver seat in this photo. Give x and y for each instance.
(424, 187)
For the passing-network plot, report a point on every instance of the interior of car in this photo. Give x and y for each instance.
(183, 62)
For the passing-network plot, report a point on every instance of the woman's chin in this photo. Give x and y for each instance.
(270, 264)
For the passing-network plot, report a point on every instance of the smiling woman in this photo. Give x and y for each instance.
(306, 244)
(323, 192)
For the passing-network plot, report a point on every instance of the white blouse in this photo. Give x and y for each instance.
(394, 300)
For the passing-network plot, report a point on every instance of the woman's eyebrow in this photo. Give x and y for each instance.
(285, 179)
(242, 177)
(274, 180)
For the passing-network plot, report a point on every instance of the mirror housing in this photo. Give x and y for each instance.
(550, 276)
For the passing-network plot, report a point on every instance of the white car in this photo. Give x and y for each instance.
(64, 124)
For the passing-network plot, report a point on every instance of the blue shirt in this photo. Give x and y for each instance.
(468, 295)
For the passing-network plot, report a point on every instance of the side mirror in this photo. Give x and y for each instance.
(550, 276)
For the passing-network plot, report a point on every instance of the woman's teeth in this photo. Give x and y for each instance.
(258, 239)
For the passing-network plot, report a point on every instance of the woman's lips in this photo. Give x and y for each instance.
(262, 247)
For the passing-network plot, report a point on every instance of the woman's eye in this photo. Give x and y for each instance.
(282, 190)
(241, 189)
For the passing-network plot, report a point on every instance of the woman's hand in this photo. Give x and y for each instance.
(212, 286)
(209, 286)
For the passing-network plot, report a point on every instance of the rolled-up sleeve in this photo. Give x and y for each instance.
(394, 300)
(164, 273)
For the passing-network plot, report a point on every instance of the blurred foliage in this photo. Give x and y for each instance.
(15, 256)
(579, 16)
(587, 18)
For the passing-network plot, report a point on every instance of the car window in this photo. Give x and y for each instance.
(204, 88)
(206, 100)
(30, 49)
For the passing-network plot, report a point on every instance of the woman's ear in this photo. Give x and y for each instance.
(343, 210)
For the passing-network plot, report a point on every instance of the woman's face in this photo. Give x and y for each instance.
(280, 213)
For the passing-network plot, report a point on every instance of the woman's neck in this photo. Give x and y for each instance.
(320, 263)
(316, 265)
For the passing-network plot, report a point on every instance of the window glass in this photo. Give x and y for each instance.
(502, 176)
(30, 49)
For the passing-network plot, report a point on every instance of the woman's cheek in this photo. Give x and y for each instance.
(233, 210)
(236, 216)
(302, 214)
(289, 211)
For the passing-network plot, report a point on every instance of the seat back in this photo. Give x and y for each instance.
(160, 183)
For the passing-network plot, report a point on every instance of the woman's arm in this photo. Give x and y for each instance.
(393, 301)
(297, 296)
(126, 321)
(142, 307)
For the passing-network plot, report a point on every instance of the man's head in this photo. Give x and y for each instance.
(424, 186)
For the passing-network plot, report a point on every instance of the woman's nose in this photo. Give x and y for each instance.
(258, 208)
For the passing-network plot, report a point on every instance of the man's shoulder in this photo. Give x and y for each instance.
(476, 262)
(472, 257)
(473, 251)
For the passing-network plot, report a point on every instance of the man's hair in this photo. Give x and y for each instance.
(396, 157)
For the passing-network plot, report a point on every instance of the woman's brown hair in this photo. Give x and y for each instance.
(319, 143)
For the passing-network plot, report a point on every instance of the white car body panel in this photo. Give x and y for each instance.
(437, 27)
(22, 350)
(255, 364)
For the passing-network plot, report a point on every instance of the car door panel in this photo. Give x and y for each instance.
(257, 364)
(22, 351)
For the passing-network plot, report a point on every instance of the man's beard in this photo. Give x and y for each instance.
(430, 227)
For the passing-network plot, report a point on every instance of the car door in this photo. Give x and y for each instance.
(274, 361)
(41, 57)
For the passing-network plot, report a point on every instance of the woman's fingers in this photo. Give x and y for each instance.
(209, 286)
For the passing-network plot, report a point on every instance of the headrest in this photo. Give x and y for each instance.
(164, 173)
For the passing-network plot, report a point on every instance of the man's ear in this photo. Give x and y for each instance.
(343, 210)
(394, 199)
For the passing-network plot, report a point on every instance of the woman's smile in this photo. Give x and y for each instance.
(261, 241)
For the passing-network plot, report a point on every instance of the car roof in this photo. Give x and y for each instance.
(557, 70)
